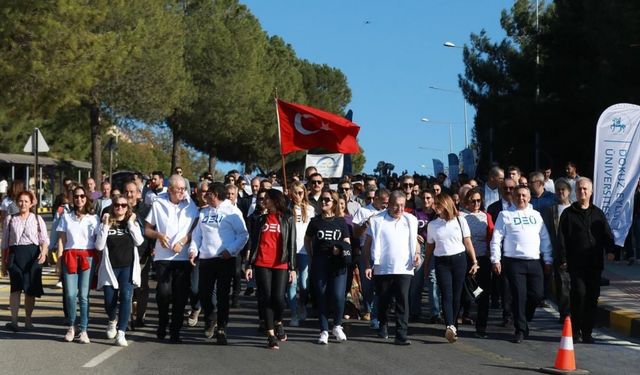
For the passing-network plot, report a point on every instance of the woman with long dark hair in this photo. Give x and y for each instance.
(272, 261)
(76, 247)
(327, 241)
(25, 237)
(118, 236)
(448, 238)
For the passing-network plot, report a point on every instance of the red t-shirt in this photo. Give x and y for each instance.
(270, 246)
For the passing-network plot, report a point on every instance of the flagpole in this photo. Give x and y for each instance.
(284, 169)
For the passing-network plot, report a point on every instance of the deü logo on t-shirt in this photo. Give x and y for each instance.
(273, 228)
(329, 235)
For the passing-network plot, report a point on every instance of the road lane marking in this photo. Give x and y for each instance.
(103, 356)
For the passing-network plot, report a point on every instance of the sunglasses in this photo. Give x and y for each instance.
(345, 188)
(120, 205)
(407, 185)
(79, 196)
(317, 182)
(325, 200)
(475, 200)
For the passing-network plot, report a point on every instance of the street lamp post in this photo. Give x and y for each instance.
(424, 119)
(466, 138)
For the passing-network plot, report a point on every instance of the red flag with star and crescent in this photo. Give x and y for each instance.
(304, 128)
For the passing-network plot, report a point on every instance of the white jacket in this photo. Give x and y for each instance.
(105, 271)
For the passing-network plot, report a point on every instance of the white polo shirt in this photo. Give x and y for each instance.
(448, 235)
(173, 220)
(81, 233)
(393, 243)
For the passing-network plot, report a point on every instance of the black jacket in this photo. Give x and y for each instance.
(288, 233)
(583, 237)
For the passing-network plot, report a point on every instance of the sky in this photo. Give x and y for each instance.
(391, 53)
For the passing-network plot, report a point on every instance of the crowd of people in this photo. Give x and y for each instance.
(362, 248)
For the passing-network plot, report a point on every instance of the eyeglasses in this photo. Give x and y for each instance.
(317, 182)
(79, 196)
(325, 200)
(407, 185)
(120, 205)
(179, 188)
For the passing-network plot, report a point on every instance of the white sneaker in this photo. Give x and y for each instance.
(59, 285)
(84, 338)
(294, 322)
(338, 332)
(121, 340)
(70, 335)
(324, 338)
(451, 334)
(374, 324)
(111, 329)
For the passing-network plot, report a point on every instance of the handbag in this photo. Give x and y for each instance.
(471, 287)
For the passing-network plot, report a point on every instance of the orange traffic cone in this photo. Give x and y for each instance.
(566, 359)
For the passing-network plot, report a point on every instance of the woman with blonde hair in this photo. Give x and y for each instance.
(448, 238)
(303, 212)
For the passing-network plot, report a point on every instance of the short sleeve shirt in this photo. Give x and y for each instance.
(447, 236)
(81, 232)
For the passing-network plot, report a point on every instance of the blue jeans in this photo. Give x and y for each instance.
(302, 280)
(329, 281)
(415, 292)
(370, 304)
(123, 294)
(433, 289)
(77, 289)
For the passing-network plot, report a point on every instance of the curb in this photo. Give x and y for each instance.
(626, 322)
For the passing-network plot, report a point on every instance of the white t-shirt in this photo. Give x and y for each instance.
(393, 243)
(173, 220)
(447, 236)
(478, 223)
(81, 233)
(549, 186)
(301, 227)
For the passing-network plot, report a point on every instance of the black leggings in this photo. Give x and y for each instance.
(271, 284)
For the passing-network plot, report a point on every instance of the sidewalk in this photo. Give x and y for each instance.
(619, 304)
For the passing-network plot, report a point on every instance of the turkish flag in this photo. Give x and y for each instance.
(304, 128)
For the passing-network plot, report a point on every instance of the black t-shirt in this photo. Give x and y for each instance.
(325, 232)
(120, 244)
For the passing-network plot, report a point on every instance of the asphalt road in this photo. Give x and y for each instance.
(42, 351)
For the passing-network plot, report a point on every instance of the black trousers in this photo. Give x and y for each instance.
(562, 282)
(216, 272)
(387, 287)
(141, 293)
(526, 282)
(585, 290)
(505, 293)
(483, 277)
(172, 289)
(237, 276)
(450, 272)
(271, 284)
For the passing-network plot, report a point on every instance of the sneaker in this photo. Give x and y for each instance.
(383, 332)
(121, 340)
(70, 335)
(111, 329)
(451, 334)
(280, 333)
(84, 338)
(294, 322)
(324, 338)
(374, 324)
(209, 329)
(338, 332)
(59, 285)
(519, 337)
(272, 343)
(13, 327)
(221, 337)
(192, 320)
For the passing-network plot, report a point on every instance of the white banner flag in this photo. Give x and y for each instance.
(328, 165)
(617, 166)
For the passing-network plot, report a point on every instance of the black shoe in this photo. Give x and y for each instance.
(383, 332)
(280, 333)
(209, 328)
(235, 302)
(161, 333)
(481, 334)
(402, 341)
(519, 337)
(272, 342)
(221, 337)
(11, 327)
(436, 320)
(261, 327)
(175, 338)
(507, 323)
(249, 291)
(588, 340)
